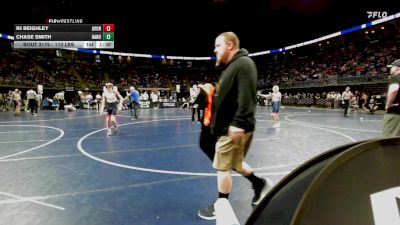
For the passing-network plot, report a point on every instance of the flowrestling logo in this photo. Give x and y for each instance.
(377, 14)
(63, 20)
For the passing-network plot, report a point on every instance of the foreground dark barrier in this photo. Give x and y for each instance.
(352, 184)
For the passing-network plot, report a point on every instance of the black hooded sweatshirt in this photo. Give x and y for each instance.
(234, 102)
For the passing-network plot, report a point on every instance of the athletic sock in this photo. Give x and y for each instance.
(254, 179)
(222, 195)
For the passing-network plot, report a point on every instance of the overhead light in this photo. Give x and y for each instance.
(319, 44)
(372, 31)
(366, 32)
(382, 28)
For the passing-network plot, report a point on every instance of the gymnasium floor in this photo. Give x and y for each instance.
(60, 167)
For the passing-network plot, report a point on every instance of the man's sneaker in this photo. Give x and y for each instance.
(259, 191)
(207, 213)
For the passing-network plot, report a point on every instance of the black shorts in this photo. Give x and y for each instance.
(111, 108)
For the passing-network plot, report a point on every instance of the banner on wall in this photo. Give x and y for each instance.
(144, 104)
(167, 104)
(69, 88)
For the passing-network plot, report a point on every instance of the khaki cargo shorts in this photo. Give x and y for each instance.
(230, 155)
(391, 125)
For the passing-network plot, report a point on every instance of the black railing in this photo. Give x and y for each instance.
(336, 80)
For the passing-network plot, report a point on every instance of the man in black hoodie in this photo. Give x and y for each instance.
(233, 120)
(391, 120)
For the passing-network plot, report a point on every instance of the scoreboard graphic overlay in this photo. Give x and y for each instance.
(56, 36)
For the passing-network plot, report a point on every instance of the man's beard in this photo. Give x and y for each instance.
(218, 61)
